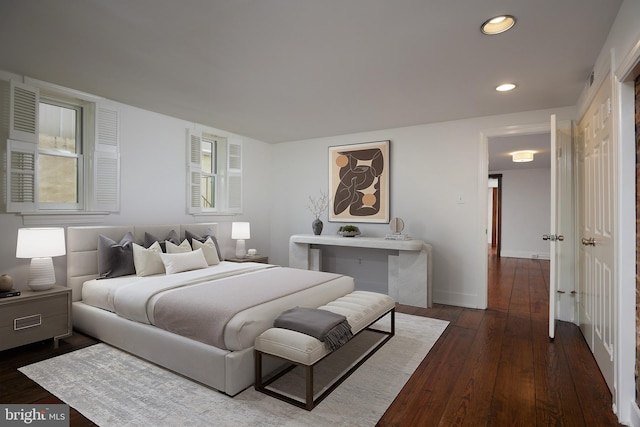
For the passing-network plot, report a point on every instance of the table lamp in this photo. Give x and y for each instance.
(40, 244)
(240, 231)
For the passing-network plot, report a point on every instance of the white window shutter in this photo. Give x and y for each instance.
(194, 172)
(106, 160)
(24, 107)
(234, 169)
(106, 179)
(234, 163)
(107, 129)
(21, 176)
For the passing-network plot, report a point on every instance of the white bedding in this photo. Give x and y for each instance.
(134, 298)
(101, 292)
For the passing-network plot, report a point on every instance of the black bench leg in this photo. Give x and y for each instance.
(309, 373)
(258, 367)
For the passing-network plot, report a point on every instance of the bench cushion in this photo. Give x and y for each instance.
(361, 308)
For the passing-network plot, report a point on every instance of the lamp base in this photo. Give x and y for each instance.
(41, 274)
(241, 249)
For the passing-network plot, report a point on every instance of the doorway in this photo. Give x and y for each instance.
(484, 171)
(495, 214)
(519, 214)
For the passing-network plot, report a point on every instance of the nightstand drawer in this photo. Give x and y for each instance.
(47, 307)
(48, 328)
(27, 320)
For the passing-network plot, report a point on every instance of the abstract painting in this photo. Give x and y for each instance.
(359, 182)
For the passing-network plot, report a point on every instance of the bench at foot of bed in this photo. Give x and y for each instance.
(362, 309)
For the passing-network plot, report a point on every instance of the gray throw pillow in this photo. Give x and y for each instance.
(115, 259)
(189, 236)
(150, 239)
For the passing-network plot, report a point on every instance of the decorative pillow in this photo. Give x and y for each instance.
(208, 234)
(176, 263)
(115, 259)
(171, 237)
(148, 261)
(209, 250)
(175, 249)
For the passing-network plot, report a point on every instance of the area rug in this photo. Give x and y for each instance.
(113, 388)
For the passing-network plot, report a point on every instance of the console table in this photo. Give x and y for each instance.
(409, 272)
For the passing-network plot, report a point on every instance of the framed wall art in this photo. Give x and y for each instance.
(359, 182)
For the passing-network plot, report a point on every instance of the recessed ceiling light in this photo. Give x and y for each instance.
(506, 87)
(498, 24)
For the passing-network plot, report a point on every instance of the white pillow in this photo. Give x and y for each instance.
(177, 262)
(172, 248)
(209, 250)
(147, 261)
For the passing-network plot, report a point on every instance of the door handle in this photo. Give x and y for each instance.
(588, 241)
(553, 237)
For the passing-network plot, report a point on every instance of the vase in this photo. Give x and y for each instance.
(317, 225)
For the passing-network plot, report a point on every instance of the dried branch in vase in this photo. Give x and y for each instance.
(317, 205)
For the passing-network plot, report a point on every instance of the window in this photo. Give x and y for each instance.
(208, 177)
(62, 151)
(214, 173)
(59, 155)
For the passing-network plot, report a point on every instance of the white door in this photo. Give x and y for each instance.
(596, 213)
(561, 283)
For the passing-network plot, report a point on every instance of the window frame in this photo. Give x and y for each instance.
(214, 140)
(100, 161)
(80, 108)
(228, 174)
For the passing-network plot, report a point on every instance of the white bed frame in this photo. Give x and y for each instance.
(227, 371)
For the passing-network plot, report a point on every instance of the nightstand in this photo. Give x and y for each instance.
(256, 258)
(35, 316)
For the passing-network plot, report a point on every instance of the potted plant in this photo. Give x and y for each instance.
(349, 231)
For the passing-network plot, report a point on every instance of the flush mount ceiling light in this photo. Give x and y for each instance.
(506, 87)
(498, 24)
(522, 156)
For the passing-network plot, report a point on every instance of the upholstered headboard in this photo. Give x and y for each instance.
(82, 246)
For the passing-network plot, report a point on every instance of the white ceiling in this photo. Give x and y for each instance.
(283, 70)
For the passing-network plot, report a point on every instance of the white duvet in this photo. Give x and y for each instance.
(132, 297)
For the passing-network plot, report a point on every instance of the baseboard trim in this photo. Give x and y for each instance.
(524, 254)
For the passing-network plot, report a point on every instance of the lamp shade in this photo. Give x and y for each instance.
(240, 230)
(40, 242)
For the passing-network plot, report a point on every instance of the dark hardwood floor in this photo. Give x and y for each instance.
(492, 367)
(497, 367)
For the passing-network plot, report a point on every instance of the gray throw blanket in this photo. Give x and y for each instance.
(326, 326)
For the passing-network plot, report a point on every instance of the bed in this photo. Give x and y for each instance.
(169, 333)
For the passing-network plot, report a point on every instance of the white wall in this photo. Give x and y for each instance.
(526, 211)
(431, 165)
(153, 188)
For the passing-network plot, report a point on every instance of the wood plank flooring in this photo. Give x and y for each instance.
(492, 367)
(497, 367)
